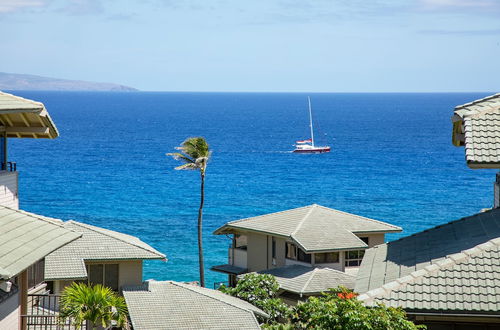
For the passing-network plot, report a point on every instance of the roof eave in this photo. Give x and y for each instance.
(229, 230)
(483, 165)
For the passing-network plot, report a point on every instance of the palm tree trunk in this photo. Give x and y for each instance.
(200, 231)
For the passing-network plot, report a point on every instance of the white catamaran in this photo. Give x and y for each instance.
(307, 146)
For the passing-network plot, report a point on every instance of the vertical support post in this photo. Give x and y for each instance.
(23, 299)
(4, 165)
(496, 190)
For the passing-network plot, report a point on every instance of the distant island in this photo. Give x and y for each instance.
(13, 81)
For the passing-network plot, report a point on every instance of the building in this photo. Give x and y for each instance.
(312, 236)
(40, 255)
(476, 127)
(447, 277)
(99, 256)
(174, 305)
(25, 239)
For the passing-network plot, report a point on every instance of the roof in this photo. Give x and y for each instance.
(313, 227)
(25, 118)
(25, 238)
(476, 125)
(454, 267)
(229, 269)
(95, 244)
(174, 305)
(308, 280)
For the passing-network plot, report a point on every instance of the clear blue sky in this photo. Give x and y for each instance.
(258, 45)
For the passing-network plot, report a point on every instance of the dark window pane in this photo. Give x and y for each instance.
(332, 257)
(96, 273)
(302, 256)
(111, 276)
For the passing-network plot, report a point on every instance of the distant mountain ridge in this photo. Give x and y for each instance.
(14, 81)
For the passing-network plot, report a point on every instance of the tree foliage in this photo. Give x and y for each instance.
(340, 309)
(260, 290)
(96, 304)
(336, 309)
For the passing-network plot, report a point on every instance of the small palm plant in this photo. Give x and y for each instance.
(96, 304)
(194, 152)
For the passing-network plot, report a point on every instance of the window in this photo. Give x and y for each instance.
(354, 258)
(105, 274)
(295, 253)
(326, 258)
(36, 273)
(240, 241)
(364, 239)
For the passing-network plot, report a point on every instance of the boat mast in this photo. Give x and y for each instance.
(311, 121)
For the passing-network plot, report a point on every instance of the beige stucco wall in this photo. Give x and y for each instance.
(373, 239)
(9, 313)
(280, 252)
(257, 252)
(9, 189)
(129, 273)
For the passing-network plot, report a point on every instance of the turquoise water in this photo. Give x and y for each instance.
(392, 160)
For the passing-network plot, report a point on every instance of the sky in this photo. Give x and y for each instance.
(258, 45)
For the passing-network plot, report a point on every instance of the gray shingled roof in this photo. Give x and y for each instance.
(95, 244)
(313, 227)
(477, 127)
(308, 280)
(174, 305)
(454, 267)
(26, 238)
(25, 118)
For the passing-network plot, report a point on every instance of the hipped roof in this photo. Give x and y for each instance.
(97, 244)
(314, 228)
(451, 268)
(23, 118)
(174, 305)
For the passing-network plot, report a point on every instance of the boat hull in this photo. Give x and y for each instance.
(312, 150)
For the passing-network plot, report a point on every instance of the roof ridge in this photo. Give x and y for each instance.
(309, 279)
(303, 220)
(57, 222)
(468, 104)
(91, 227)
(189, 287)
(361, 217)
(263, 215)
(449, 261)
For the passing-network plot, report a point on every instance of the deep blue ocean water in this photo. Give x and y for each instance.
(391, 160)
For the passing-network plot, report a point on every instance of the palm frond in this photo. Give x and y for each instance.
(188, 166)
(179, 156)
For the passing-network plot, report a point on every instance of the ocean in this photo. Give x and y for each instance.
(391, 160)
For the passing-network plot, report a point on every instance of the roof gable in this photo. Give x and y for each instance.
(95, 244)
(313, 227)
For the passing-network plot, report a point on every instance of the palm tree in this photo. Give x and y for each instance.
(96, 304)
(194, 152)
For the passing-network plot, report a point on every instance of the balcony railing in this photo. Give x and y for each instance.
(43, 314)
(10, 166)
